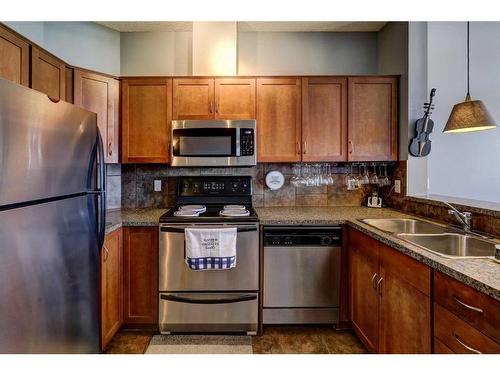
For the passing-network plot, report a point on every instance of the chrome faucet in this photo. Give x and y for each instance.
(465, 218)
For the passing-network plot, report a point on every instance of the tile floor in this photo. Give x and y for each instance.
(275, 340)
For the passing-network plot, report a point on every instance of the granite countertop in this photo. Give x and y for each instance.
(133, 217)
(481, 274)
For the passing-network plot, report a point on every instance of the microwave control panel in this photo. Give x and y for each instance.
(247, 142)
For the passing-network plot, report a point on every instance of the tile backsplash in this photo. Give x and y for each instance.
(137, 182)
(113, 186)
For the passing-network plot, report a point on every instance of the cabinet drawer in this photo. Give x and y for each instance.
(476, 308)
(459, 336)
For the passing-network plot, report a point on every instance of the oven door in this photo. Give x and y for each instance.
(176, 276)
(213, 143)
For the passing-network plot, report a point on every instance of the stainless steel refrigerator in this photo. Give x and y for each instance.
(52, 221)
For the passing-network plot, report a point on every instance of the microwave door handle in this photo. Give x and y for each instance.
(238, 143)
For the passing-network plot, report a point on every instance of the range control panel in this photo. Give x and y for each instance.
(303, 236)
(214, 186)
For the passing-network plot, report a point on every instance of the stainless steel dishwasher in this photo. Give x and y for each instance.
(301, 274)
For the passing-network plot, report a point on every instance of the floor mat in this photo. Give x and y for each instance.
(199, 344)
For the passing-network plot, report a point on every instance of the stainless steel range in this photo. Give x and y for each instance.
(210, 300)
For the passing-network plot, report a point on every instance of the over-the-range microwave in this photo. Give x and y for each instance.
(213, 143)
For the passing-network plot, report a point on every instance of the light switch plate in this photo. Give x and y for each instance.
(397, 186)
(157, 185)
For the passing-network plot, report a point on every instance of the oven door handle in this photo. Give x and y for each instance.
(208, 301)
(181, 229)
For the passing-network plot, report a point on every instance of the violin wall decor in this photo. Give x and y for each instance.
(420, 145)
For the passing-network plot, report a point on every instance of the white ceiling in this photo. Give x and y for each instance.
(135, 26)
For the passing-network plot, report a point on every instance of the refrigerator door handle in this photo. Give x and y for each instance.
(102, 190)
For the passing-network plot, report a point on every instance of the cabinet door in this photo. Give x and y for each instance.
(324, 119)
(140, 259)
(193, 99)
(14, 57)
(364, 301)
(372, 129)
(405, 304)
(111, 286)
(234, 98)
(99, 94)
(146, 120)
(48, 74)
(278, 119)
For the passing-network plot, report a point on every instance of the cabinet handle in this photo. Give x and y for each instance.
(211, 107)
(106, 252)
(473, 308)
(455, 336)
(217, 108)
(379, 286)
(297, 147)
(110, 148)
(373, 280)
(304, 147)
(351, 148)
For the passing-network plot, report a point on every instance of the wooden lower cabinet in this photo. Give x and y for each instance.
(390, 305)
(405, 304)
(140, 275)
(364, 301)
(111, 286)
(458, 336)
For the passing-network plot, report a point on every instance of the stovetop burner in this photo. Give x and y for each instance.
(212, 199)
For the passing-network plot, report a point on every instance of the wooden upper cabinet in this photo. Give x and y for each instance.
(364, 302)
(278, 119)
(193, 99)
(99, 94)
(405, 304)
(111, 286)
(146, 120)
(48, 74)
(234, 98)
(140, 289)
(14, 57)
(324, 119)
(373, 122)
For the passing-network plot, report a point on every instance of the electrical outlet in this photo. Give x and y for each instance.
(397, 186)
(157, 185)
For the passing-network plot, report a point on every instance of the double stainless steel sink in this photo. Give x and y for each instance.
(436, 238)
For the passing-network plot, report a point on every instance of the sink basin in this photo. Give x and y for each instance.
(452, 245)
(405, 226)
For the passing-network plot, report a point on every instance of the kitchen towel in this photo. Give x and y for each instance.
(210, 248)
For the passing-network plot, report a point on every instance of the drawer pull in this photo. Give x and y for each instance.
(476, 309)
(379, 286)
(455, 336)
(373, 280)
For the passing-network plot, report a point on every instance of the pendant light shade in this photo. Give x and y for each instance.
(469, 115)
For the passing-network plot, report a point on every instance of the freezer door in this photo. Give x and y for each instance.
(49, 278)
(45, 147)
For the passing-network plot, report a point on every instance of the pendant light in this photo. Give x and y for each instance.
(469, 115)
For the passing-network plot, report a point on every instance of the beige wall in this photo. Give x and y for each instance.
(156, 53)
(263, 53)
(271, 53)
